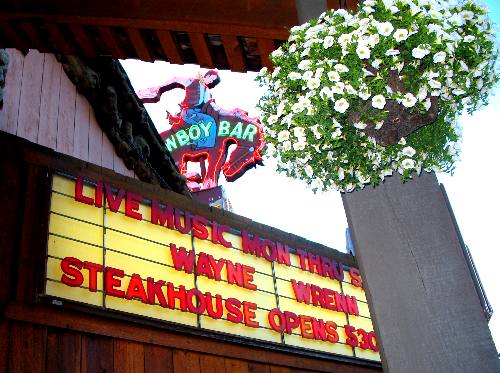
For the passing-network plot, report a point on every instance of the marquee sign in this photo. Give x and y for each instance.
(203, 132)
(115, 250)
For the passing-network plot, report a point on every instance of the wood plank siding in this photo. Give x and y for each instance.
(43, 106)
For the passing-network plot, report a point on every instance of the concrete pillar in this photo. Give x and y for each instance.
(426, 311)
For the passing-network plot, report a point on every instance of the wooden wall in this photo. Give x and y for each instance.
(42, 105)
(59, 350)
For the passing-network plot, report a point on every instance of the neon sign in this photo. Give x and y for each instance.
(203, 132)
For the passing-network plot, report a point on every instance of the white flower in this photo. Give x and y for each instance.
(313, 83)
(363, 52)
(408, 151)
(294, 76)
(341, 105)
(360, 125)
(297, 107)
(336, 133)
(378, 102)
(414, 9)
(420, 52)
(422, 93)
(409, 100)
(368, 9)
(435, 14)
(349, 187)
(387, 172)
(344, 39)
(272, 119)
(408, 163)
(341, 68)
(427, 104)
(281, 108)
(439, 57)
(301, 145)
(328, 41)
(338, 88)
(400, 34)
(304, 64)
(333, 76)
(307, 75)
(392, 52)
(463, 66)
(283, 135)
(277, 53)
(373, 40)
(388, 3)
(378, 125)
(385, 28)
(456, 20)
(292, 48)
(376, 63)
(325, 92)
(467, 15)
(458, 92)
(316, 184)
(315, 131)
(350, 89)
(304, 102)
(362, 178)
(435, 84)
(308, 170)
(287, 145)
(469, 38)
(270, 149)
(299, 132)
(364, 93)
(340, 174)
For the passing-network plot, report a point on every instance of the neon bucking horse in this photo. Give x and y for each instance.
(202, 132)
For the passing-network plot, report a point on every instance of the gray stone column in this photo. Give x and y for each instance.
(426, 311)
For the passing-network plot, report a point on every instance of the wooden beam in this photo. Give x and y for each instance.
(169, 47)
(266, 46)
(271, 32)
(33, 36)
(111, 43)
(333, 4)
(352, 4)
(62, 44)
(14, 39)
(139, 45)
(258, 13)
(234, 52)
(200, 47)
(83, 40)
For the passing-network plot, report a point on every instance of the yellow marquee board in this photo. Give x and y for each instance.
(112, 249)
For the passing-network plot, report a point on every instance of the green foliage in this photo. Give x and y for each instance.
(325, 70)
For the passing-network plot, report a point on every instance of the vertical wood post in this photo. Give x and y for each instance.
(426, 311)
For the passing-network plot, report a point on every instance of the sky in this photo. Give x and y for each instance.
(270, 198)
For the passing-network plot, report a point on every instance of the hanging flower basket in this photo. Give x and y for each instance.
(354, 97)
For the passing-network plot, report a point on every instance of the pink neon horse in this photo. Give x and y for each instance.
(211, 151)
